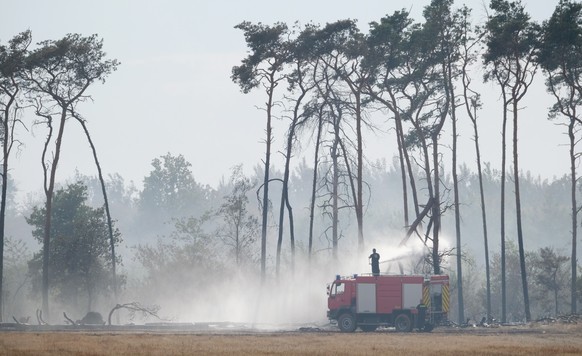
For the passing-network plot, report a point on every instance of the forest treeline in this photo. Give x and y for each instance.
(325, 82)
(177, 236)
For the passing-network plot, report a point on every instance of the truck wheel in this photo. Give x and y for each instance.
(347, 323)
(403, 323)
(427, 328)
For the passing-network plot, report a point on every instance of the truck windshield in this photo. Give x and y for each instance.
(336, 288)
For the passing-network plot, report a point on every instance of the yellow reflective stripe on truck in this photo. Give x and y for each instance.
(426, 295)
(445, 298)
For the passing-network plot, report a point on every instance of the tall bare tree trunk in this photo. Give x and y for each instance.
(285, 191)
(401, 159)
(411, 180)
(434, 206)
(334, 188)
(574, 259)
(502, 212)
(286, 204)
(265, 206)
(436, 211)
(284, 195)
(460, 300)
(360, 177)
(291, 232)
(573, 180)
(472, 103)
(483, 214)
(7, 141)
(518, 215)
(347, 163)
(401, 149)
(436, 218)
(49, 186)
(314, 184)
(3, 213)
(107, 211)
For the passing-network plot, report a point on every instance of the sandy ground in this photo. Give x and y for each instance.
(537, 339)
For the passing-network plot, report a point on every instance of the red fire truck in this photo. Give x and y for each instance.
(404, 302)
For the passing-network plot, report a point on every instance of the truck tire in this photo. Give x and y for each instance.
(403, 323)
(347, 323)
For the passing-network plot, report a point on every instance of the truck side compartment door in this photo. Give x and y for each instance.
(411, 295)
(366, 298)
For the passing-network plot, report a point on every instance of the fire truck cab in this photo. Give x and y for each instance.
(405, 302)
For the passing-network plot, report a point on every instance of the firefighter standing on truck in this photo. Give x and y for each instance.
(375, 262)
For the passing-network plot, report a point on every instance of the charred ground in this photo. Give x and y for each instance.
(554, 337)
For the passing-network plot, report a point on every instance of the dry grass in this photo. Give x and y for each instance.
(554, 340)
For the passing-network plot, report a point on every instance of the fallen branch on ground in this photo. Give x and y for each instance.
(135, 307)
(39, 317)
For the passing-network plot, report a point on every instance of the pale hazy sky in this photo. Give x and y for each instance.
(173, 92)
